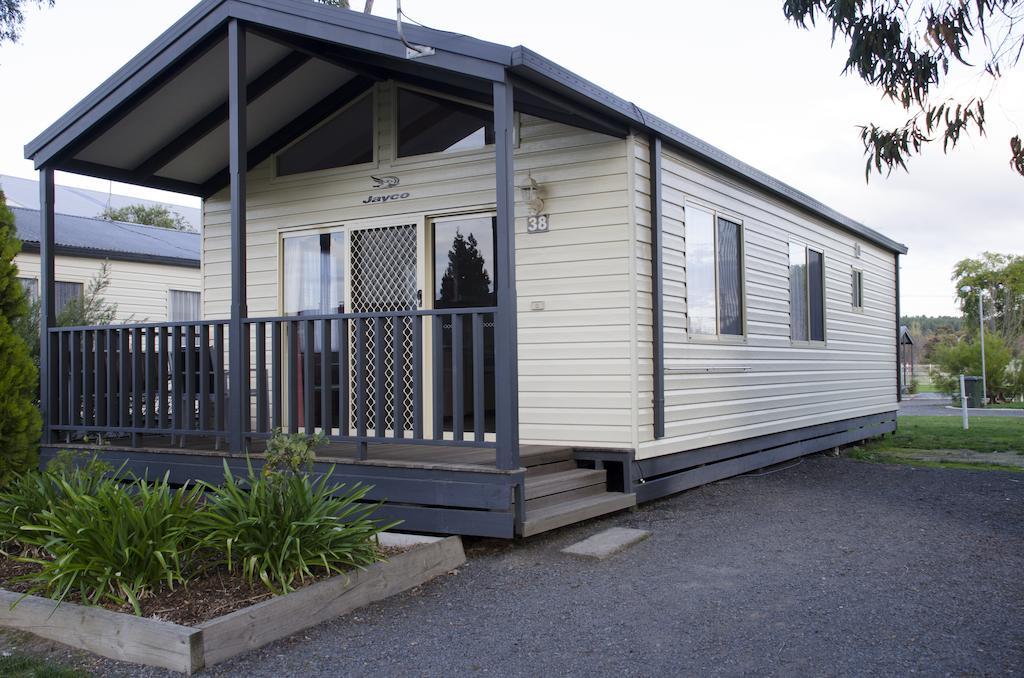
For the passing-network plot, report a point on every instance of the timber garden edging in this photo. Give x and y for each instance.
(188, 649)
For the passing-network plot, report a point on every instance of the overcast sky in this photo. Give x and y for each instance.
(735, 74)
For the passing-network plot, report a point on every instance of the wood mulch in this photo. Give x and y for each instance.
(213, 593)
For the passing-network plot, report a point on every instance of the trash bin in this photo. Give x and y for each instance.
(975, 392)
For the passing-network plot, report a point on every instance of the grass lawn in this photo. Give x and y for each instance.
(986, 434)
(923, 441)
(24, 666)
(927, 387)
(1008, 406)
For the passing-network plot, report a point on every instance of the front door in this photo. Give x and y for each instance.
(364, 269)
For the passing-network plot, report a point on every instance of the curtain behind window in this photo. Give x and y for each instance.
(64, 292)
(730, 279)
(182, 306)
(700, 271)
(798, 291)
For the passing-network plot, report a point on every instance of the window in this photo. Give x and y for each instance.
(31, 288)
(344, 140)
(65, 292)
(428, 124)
(858, 289)
(714, 273)
(182, 305)
(464, 253)
(806, 293)
(314, 274)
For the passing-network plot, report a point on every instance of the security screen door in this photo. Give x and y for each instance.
(358, 270)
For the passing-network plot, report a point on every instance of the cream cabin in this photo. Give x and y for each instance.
(511, 300)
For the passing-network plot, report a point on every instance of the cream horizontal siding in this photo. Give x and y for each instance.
(140, 290)
(765, 383)
(575, 372)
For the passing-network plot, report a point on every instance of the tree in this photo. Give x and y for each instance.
(91, 308)
(367, 8)
(465, 280)
(905, 48)
(965, 358)
(150, 215)
(12, 17)
(20, 423)
(999, 280)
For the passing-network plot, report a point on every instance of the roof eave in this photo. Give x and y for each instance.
(537, 68)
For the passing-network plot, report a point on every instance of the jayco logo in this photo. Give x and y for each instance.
(385, 198)
(385, 182)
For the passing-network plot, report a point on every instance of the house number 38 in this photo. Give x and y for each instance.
(537, 224)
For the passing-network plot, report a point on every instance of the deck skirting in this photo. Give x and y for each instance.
(668, 474)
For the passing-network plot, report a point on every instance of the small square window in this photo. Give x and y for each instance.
(858, 289)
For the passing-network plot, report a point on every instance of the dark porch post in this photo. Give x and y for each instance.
(506, 358)
(47, 311)
(238, 357)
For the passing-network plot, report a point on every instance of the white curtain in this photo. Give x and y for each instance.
(700, 271)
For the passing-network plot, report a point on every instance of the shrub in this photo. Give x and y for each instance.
(28, 494)
(291, 452)
(965, 358)
(20, 423)
(279, 527)
(112, 541)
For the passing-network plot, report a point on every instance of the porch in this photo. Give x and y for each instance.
(420, 399)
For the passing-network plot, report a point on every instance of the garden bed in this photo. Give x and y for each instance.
(220, 615)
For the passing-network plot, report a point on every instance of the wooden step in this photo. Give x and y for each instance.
(553, 467)
(575, 511)
(563, 497)
(535, 455)
(563, 481)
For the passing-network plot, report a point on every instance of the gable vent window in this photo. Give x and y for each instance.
(714, 273)
(806, 293)
(344, 140)
(428, 124)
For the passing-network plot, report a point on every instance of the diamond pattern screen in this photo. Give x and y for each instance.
(383, 279)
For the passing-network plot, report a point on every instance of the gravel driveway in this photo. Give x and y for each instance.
(827, 567)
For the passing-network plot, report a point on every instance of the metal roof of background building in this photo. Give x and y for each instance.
(102, 239)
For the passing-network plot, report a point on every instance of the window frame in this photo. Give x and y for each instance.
(334, 171)
(808, 248)
(732, 217)
(857, 285)
(411, 160)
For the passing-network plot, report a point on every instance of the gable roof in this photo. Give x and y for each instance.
(101, 239)
(354, 46)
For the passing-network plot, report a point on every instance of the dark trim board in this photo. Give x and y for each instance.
(425, 500)
(669, 474)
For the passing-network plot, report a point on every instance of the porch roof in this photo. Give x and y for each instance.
(162, 121)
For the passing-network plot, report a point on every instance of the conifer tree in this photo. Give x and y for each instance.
(19, 415)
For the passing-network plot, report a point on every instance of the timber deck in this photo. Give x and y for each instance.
(431, 488)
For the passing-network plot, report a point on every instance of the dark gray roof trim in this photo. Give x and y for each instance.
(101, 239)
(567, 82)
(456, 53)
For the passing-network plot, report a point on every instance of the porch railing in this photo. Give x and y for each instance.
(415, 377)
